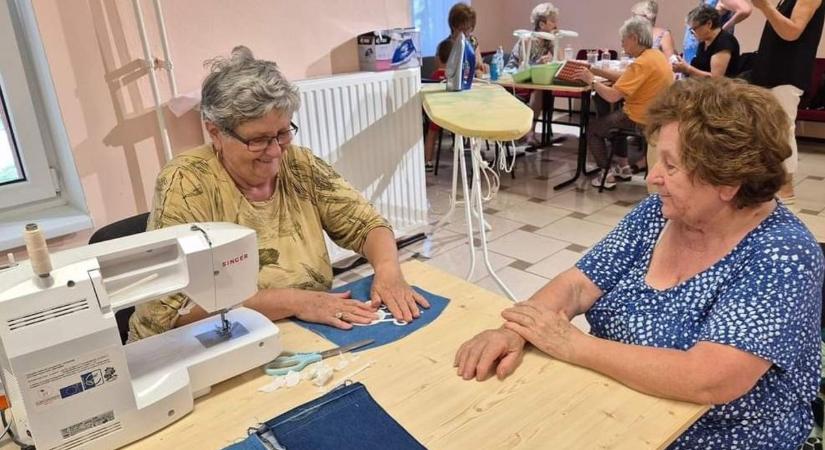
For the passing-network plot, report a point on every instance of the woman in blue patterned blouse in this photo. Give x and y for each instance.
(707, 292)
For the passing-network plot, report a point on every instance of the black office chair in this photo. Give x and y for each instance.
(126, 227)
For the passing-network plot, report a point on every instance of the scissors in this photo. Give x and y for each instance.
(289, 361)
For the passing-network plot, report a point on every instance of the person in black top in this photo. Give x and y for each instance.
(785, 60)
(718, 52)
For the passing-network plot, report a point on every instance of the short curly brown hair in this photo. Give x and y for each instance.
(462, 17)
(731, 134)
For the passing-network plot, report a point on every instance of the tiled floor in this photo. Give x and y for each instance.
(538, 232)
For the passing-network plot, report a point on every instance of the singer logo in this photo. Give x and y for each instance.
(235, 260)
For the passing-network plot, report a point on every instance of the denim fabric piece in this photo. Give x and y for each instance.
(348, 418)
(384, 332)
(252, 442)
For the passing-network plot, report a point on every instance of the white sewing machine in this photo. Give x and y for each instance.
(69, 380)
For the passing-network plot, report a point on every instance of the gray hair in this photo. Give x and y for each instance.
(647, 9)
(640, 28)
(543, 11)
(241, 88)
(704, 14)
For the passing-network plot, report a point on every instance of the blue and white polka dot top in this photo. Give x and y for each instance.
(764, 297)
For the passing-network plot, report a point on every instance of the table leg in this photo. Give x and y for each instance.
(581, 160)
(546, 101)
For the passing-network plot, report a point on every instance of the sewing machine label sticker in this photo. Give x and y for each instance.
(72, 377)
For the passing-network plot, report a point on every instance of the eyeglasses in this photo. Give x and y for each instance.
(696, 27)
(260, 144)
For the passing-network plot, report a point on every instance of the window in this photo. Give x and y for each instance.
(430, 17)
(10, 167)
(34, 150)
(22, 143)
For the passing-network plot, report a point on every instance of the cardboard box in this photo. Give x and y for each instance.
(398, 48)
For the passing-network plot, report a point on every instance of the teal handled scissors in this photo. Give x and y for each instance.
(289, 361)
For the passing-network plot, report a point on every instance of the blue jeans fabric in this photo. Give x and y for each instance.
(348, 418)
(382, 333)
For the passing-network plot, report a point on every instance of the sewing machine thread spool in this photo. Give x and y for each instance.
(37, 250)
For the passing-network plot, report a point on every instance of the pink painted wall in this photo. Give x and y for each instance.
(596, 21)
(94, 51)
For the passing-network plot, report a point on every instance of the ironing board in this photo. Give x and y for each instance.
(485, 112)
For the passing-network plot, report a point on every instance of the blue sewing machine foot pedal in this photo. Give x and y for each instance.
(347, 418)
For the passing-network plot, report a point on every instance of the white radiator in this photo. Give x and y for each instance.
(368, 126)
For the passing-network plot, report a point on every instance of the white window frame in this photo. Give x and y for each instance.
(25, 128)
(52, 194)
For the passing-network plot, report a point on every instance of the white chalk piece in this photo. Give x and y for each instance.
(37, 250)
(323, 373)
(292, 378)
(276, 383)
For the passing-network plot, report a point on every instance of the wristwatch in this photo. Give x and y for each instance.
(593, 84)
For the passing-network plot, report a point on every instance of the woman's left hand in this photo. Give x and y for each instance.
(390, 288)
(548, 330)
(680, 66)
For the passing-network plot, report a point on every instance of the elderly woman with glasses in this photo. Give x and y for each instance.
(251, 174)
(718, 52)
(708, 292)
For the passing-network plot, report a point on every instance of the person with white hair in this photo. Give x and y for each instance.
(545, 17)
(252, 174)
(662, 39)
(647, 76)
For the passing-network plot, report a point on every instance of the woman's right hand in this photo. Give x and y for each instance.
(499, 350)
(332, 308)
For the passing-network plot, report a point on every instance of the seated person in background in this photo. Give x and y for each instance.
(251, 175)
(441, 54)
(462, 19)
(647, 76)
(545, 17)
(731, 11)
(662, 39)
(709, 292)
(718, 52)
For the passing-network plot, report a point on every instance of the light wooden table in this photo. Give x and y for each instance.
(545, 404)
(584, 93)
(484, 112)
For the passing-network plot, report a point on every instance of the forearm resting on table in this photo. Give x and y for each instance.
(275, 304)
(570, 293)
(709, 374)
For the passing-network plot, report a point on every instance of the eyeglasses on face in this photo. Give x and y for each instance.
(260, 144)
(696, 27)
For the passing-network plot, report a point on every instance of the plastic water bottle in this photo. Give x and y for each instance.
(497, 64)
(568, 53)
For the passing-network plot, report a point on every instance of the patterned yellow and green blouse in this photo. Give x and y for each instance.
(310, 197)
